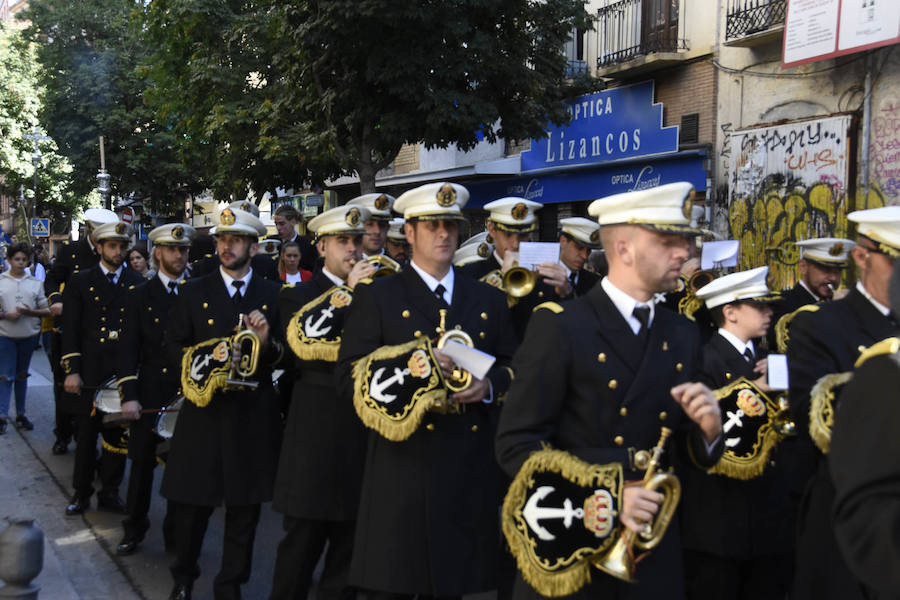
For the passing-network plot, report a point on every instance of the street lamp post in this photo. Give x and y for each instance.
(35, 136)
(103, 177)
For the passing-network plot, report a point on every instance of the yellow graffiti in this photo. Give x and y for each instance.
(767, 225)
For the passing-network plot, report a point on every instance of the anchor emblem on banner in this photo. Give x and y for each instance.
(315, 330)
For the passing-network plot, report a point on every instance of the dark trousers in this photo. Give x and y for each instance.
(373, 595)
(64, 429)
(711, 577)
(112, 465)
(237, 547)
(299, 551)
(142, 451)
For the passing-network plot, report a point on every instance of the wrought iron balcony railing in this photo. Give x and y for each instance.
(746, 17)
(628, 29)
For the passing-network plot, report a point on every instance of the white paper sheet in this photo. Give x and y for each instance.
(474, 361)
(777, 373)
(716, 255)
(532, 254)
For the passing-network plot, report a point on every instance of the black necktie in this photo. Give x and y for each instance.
(439, 294)
(112, 277)
(642, 314)
(573, 276)
(237, 283)
(173, 285)
(748, 354)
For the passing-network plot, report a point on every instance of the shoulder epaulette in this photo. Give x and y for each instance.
(888, 346)
(554, 306)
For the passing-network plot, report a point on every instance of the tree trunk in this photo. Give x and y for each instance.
(365, 168)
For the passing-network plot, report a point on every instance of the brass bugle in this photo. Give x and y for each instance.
(384, 265)
(518, 281)
(782, 421)
(619, 560)
(247, 345)
(459, 379)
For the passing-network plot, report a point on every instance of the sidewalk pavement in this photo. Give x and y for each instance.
(76, 564)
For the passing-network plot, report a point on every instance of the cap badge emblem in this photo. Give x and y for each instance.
(483, 250)
(446, 196)
(352, 217)
(837, 249)
(121, 228)
(686, 207)
(595, 235)
(519, 211)
(178, 232)
(381, 202)
(227, 217)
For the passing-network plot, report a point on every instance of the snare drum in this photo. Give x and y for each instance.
(107, 398)
(165, 422)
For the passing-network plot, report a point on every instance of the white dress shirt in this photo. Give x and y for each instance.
(626, 304)
(736, 342)
(166, 279)
(885, 310)
(228, 279)
(106, 272)
(432, 283)
(332, 277)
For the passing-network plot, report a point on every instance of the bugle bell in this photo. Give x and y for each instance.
(459, 379)
(246, 345)
(519, 281)
(619, 560)
(384, 265)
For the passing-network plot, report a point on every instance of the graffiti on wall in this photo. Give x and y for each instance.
(885, 149)
(787, 183)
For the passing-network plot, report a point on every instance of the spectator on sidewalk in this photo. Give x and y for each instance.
(22, 305)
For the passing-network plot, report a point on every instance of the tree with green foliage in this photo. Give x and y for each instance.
(90, 52)
(371, 75)
(210, 77)
(20, 102)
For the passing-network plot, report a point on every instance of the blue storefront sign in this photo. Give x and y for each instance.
(589, 184)
(615, 124)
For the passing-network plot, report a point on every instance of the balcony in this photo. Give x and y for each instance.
(634, 36)
(754, 22)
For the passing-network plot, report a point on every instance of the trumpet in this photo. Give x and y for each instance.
(459, 379)
(782, 421)
(247, 345)
(384, 265)
(519, 281)
(619, 560)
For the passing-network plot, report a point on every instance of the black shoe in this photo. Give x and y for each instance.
(111, 503)
(181, 591)
(77, 505)
(128, 545)
(60, 447)
(22, 422)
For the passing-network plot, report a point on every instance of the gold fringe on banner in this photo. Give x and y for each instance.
(307, 348)
(396, 428)
(782, 327)
(821, 408)
(568, 574)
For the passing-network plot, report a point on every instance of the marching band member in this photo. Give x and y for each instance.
(92, 321)
(828, 341)
(70, 258)
(320, 468)
(142, 353)
(396, 245)
(512, 221)
(577, 237)
(865, 462)
(822, 263)
(600, 375)
(265, 265)
(427, 522)
(736, 529)
(378, 207)
(225, 448)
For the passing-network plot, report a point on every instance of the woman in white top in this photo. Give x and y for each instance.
(22, 305)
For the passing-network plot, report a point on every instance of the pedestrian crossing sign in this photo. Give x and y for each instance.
(40, 227)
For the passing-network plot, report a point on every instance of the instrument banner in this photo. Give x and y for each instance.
(204, 369)
(394, 386)
(559, 514)
(748, 431)
(314, 332)
(822, 404)
(783, 326)
(115, 439)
